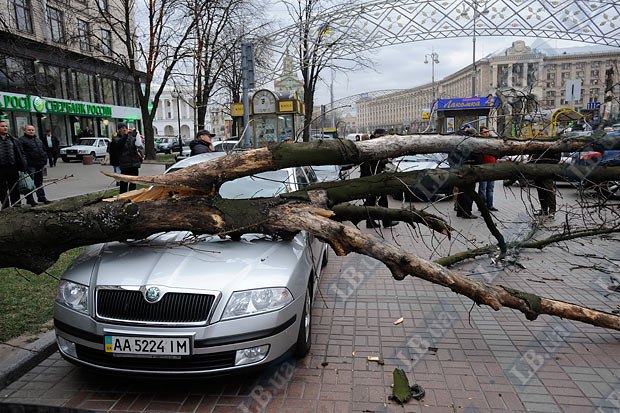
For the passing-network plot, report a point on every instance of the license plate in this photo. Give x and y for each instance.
(155, 346)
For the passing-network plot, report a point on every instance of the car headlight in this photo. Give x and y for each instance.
(73, 296)
(251, 302)
(63, 150)
(83, 151)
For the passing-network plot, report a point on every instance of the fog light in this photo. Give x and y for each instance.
(66, 346)
(251, 355)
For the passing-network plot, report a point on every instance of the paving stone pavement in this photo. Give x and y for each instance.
(467, 358)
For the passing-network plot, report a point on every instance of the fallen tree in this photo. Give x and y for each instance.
(33, 238)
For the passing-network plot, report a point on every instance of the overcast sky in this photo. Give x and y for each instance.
(402, 66)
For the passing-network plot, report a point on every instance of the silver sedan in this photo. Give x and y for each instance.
(177, 303)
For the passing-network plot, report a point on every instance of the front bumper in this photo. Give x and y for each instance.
(213, 347)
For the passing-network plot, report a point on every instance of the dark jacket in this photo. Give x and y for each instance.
(35, 152)
(18, 156)
(114, 149)
(199, 146)
(55, 148)
(130, 155)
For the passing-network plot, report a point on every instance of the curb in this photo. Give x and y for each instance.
(22, 359)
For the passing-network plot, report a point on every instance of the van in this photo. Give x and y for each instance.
(351, 136)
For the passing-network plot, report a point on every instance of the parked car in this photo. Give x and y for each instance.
(220, 146)
(166, 145)
(95, 147)
(180, 304)
(326, 173)
(429, 189)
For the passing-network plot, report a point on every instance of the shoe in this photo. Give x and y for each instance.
(493, 209)
(32, 203)
(372, 224)
(388, 224)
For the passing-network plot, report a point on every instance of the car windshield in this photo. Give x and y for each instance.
(266, 184)
(87, 142)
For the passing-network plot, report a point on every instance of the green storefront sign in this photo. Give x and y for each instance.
(28, 103)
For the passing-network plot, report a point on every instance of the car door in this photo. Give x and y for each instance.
(305, 176)
(102, 146)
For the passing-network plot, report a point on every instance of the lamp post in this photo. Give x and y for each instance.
(434, 59)
(474, 5)
(176, 95)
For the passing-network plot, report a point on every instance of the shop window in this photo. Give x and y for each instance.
(83, 86)
(53, 83)
(57, 25)
(20, 73)
(23, 15)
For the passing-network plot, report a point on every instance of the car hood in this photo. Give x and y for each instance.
(80, 147)
(415, 166)
(178, 260)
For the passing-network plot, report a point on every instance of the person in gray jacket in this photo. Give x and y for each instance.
(36, 156)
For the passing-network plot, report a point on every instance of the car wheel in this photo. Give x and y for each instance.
(65, 159)
(94, 155)
(302, 347)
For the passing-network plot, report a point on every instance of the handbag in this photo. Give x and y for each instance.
(25, 183)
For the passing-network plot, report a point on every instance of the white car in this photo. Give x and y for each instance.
(95, 147)
(182, 304)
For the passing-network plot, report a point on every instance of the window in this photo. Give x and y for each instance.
(83, 86)
(550, 67)
(550, 76)
(57, 26)
(594, 91)
(566, 66)
(565, 75)
(580, 74)
(594, 73)
(580, 65)
(596, 65)
(168, 109)
(83, 35)
(594, 81)
(106, 42)
(551, 93)
(23, 15)
(551, 84)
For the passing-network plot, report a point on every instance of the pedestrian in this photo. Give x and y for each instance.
(130, 156)
(464, 202)
(370, 168)
(486, 188)
(114, 152)
(12, 161)
(36, 157)
(546, 186)
(52, 147)
(202, 143)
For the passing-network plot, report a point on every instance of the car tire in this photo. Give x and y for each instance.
(94, 155)
(65, 159)
(302, 347)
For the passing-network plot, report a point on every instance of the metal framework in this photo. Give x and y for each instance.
(384, 23)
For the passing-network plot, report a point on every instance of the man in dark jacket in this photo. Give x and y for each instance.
(370, 168)
(459, 158)
(130, 155)
(12, 161)
(36, 156)
(52, 147)
(546, 186)
(202, 143)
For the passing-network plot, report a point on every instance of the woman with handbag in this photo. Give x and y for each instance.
(12, 162)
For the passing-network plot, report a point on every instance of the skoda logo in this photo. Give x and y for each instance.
(39, 104)
(153, 294)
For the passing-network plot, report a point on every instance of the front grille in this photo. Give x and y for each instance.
(72, 151)
(173, 307)
(185, 363)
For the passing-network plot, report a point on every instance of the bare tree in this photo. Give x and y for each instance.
(153, 36)
(318, 43)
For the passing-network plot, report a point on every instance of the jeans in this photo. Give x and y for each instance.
(9, 193)
(36, 173)
(126, 186)
(485, 190)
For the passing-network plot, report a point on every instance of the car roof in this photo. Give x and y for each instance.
(193, 160)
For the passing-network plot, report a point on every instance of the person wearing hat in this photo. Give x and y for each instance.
(202, 143)
(130, 155)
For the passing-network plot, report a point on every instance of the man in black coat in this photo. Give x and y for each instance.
(546, 186)
(202, 143)
(12, 161)
(130, 155)
(52, 147)
(36, 156)
(370, 168)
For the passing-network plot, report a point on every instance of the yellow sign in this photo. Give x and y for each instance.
(236, 110)
(426, 115)
(285, 106)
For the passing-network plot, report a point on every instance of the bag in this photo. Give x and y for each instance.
(25, 183)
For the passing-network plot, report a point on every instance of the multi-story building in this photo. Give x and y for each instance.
(175, 113)
(518, 69)
(57, 70)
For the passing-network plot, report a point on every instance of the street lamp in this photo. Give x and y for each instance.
(474, 5)
(434, 59)
(176, 95)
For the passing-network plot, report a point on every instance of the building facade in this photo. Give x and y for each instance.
(518, 69)
(57, 71)
(175, 113)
